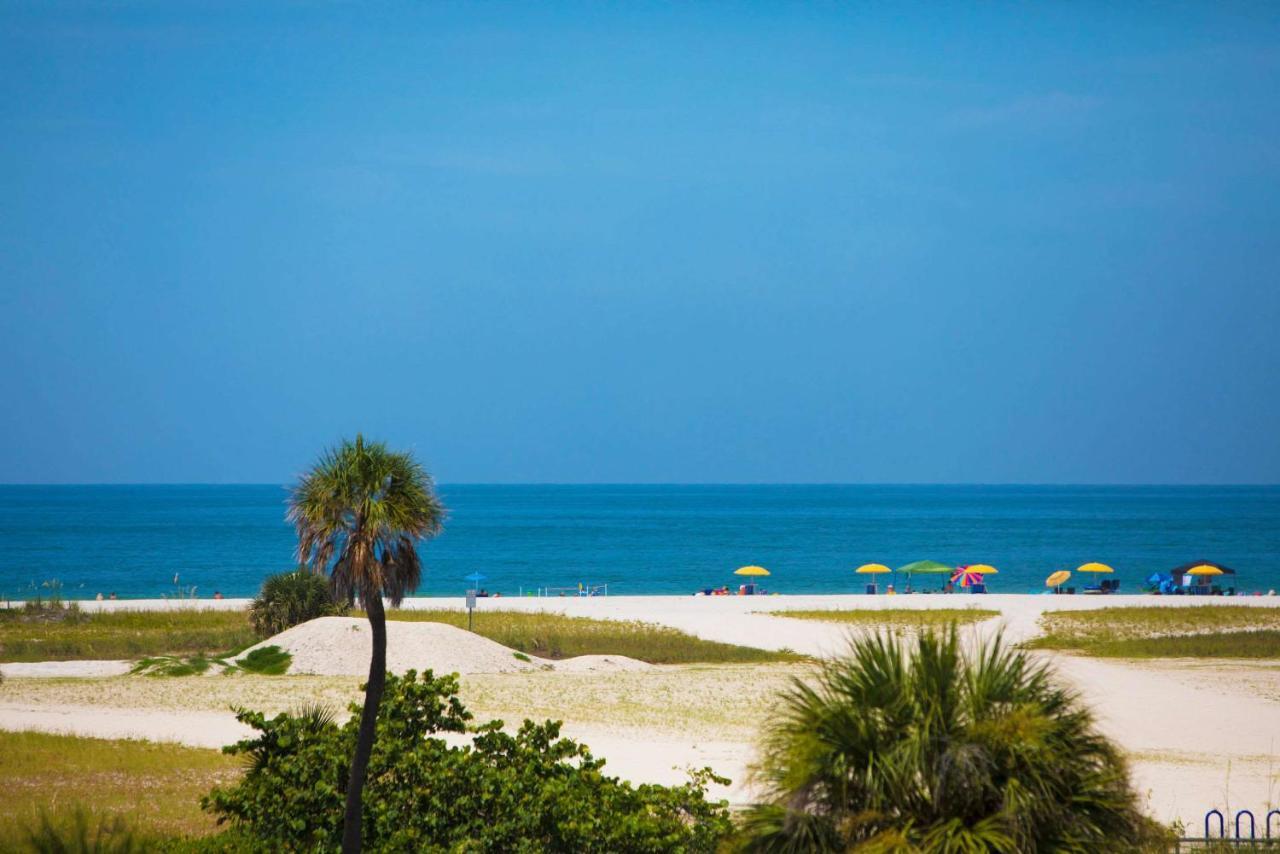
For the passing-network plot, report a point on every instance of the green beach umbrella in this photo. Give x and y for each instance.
(925, 567)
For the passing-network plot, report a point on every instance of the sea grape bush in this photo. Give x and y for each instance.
(531, 791)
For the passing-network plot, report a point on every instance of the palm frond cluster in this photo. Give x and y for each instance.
(918, 745)
(359, 513)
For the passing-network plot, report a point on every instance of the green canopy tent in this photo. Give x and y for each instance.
(924, 567)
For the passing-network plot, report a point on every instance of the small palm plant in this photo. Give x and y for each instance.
(290, 598)
(360, 514)
(918, 746)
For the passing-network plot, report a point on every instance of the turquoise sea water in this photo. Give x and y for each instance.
(646, 539)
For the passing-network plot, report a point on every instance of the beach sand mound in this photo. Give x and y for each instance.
(600, 664)
(341, 646)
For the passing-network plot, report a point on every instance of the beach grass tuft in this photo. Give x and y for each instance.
(173, 665)
(894, 618)
(266, 661)
(555, 636)
(1211, 631)
(121, 634)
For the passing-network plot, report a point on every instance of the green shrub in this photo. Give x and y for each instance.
(532, 791)
(290, 598)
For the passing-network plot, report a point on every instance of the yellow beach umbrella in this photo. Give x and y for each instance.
(1203, 569)
(751, 570)
(872, 569)
(984, 568)
(1058, 578)
(1094, 567)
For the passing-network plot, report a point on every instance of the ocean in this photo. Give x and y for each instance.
(640, 539)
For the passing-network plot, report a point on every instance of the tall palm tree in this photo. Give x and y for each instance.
(360, 513)
(920, 746)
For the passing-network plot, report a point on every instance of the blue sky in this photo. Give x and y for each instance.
(643, 242)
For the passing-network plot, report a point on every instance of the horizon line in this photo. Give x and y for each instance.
(1134, 484)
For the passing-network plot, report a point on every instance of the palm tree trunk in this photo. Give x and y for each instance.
(368, 719)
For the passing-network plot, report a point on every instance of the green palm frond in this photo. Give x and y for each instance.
(923, 746)
(360, 514)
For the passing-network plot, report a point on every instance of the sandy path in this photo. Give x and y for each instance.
(63, 669)
(1201, 735)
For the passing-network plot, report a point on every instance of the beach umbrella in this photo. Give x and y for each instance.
(1094, 567)
(751, 570)
(475, 578)
(984, 568)
(872, 569)
(966, 577)
(1186, 568)
(1204, 569)
(922, 567)
(1058, 578)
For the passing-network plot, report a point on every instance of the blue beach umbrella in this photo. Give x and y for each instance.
(475, 578)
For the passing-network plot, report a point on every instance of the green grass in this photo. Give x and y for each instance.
(896, 618)
(557, 636)
(120, 634)
(1208, 631)
(156, 788)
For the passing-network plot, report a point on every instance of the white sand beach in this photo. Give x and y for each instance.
(1199, 734)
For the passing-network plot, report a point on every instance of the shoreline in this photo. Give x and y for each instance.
(771, 602)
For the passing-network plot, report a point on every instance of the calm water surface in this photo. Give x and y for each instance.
(646, 539)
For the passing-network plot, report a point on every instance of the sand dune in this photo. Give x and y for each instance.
(341, 646)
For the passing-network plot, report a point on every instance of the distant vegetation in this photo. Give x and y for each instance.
(195, 639)
(1210, 631)
(62, 632)
(557, 636)
(895, 618)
